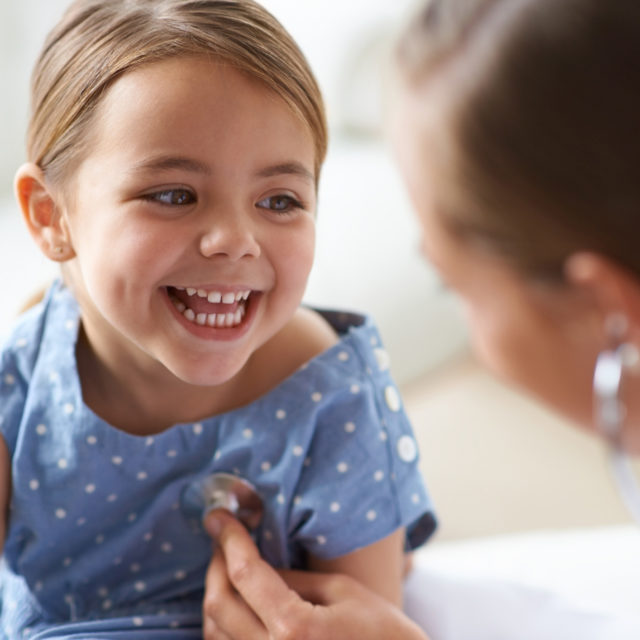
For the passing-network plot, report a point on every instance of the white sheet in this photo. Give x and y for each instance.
(582, 584)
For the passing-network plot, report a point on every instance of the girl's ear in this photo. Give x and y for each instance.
(614, 289)
(43, 217)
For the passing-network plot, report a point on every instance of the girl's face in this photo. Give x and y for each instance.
(535, 335)
(192, 219)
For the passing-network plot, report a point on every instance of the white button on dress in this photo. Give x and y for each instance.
(407, 449)
(392, 398)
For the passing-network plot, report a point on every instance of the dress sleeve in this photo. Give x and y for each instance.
(361, 480)
(12, 398)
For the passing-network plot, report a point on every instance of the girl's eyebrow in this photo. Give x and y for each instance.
(292, 168)
(166, 163)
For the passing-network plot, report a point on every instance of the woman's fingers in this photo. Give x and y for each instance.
(279, 608)
(334, 607)
(350, 609)
(226, 615)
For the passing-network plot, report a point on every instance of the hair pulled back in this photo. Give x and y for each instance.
(97, 41)
(540, 111)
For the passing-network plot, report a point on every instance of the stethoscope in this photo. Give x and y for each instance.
(223, 491)
(610, 413)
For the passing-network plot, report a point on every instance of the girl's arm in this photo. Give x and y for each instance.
(5, 488)
(379, 566)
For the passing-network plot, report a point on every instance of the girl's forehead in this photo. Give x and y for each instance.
(168, 98)
(197, 110)
(171, 78)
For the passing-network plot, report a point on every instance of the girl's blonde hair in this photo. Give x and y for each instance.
(540, 105)
(97, 41)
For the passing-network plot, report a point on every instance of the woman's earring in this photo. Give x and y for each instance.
(609, 409)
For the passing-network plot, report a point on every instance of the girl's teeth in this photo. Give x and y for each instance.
(219, 320)
(217, 297)
(212, 319)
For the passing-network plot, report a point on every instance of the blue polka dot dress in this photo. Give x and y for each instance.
(101, 542)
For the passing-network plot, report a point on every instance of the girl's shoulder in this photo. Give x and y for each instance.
(304, 337)
(20, 345)
(55, 316)
(19, 352)
(308, 335)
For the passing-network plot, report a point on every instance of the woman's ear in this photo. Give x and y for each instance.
(614, 289)
(42, 215)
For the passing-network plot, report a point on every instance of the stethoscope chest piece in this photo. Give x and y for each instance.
(224, 491)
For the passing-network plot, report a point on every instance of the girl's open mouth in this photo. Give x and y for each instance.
(211, 308)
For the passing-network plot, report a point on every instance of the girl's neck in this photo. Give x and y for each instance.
(149, 400)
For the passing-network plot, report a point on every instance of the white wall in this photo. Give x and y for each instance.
(23, 26)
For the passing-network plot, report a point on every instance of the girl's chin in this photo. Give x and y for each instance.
(212, 372)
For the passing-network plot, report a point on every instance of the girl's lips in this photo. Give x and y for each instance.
(226, 320)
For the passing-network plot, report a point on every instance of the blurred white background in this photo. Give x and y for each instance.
(494, 461)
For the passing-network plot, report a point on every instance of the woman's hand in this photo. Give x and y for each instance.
(246, 599)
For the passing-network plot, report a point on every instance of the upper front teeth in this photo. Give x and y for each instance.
(216, 296)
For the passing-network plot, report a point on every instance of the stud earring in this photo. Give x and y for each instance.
(59, 252)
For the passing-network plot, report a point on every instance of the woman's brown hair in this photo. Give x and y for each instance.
(540, 112)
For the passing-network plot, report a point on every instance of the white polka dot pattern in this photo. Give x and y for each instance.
(407, 449)
(392, 398)
(382, 358)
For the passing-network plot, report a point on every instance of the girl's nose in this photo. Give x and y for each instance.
(231, 236)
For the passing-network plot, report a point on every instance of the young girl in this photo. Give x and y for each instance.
(175, 150)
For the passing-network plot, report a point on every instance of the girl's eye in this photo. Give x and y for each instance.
(172, 197)
(280, 204)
